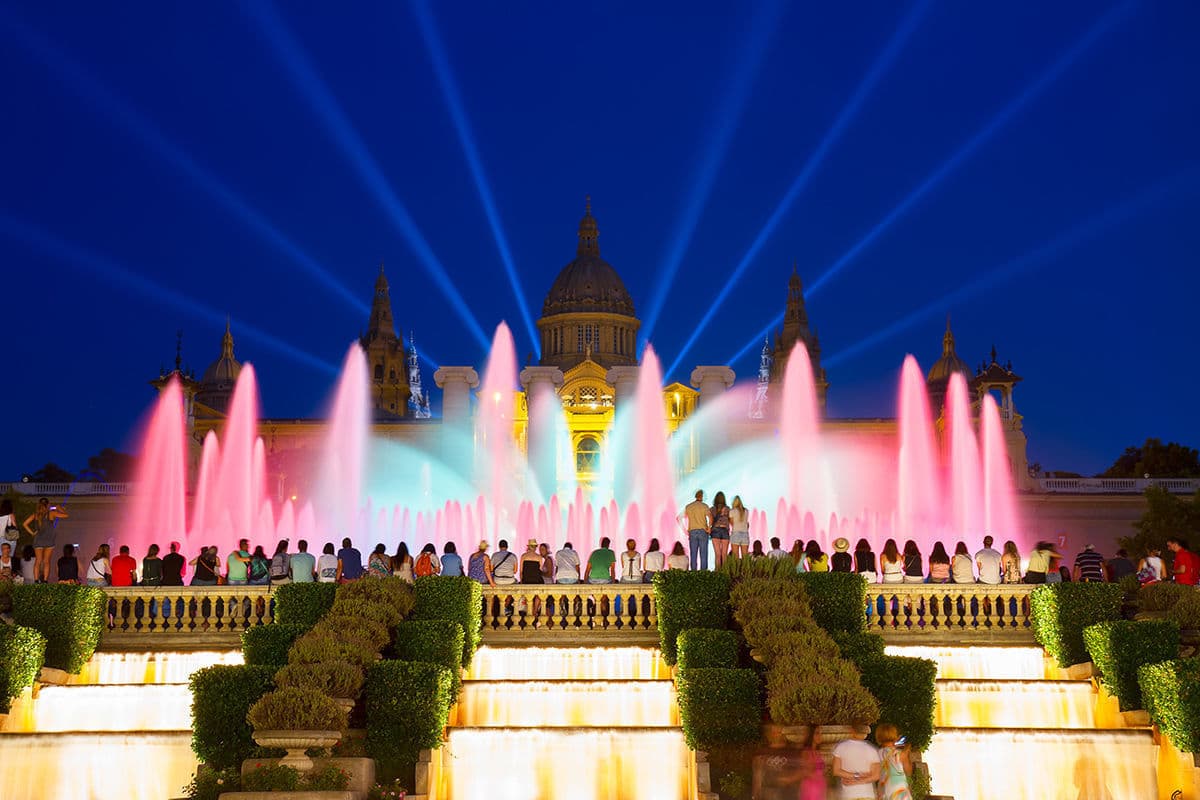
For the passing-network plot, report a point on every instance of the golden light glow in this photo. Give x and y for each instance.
(167, 667)
(102, 708)
(564, 704)
(577, 663)
(997, 663)
(1016, 704)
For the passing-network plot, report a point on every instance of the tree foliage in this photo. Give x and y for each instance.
(112, 466)
(1158, 460)
(52, 473)
(1166, 515)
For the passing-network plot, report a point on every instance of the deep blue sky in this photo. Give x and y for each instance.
(125, 124)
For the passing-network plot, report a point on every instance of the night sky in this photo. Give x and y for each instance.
(1028, 168)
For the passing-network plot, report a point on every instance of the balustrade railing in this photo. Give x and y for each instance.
(561, 608)
(966, 610)
(173, 611)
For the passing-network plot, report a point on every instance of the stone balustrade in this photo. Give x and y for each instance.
(968, 613)
(167, 617)
(560, 611)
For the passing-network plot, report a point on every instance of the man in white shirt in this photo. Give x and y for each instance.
(856, 766)
(776, 551)
(566, 565)
(988, 562)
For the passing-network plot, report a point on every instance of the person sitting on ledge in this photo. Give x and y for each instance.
(864, 561)
(654, 561)
(350, 566)
(68, 565)
(939, 564)
(504, 564)
(566, 565)
(815, 559)
(601, 564)
(776, 551)
(756, 549)
(631, 563)
(479, 565)
(841, 560)
(961, 570)
(451, 561)
(678, 558)
(327, 565)
(124, 568)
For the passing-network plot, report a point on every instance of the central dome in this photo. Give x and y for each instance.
(588, 284)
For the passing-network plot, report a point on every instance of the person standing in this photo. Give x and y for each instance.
(697, 518)
(350, 566)
(856, 766)
(1151, 568)
(1119, 566)
(1186, 564)
(739, 528)
(173, 566)
(719, 530)
(8, 522)
(1089, 566)
(304, 566)
(41, 526)
(124, 568)
(989, 563)
(566, 565)
(895, 764)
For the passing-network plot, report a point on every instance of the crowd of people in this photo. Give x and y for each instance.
(859, 768)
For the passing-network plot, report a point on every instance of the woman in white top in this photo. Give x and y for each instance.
(962, 568)
(402, 564)
(1153, 564)
(99, 571)
(891, 563)
(7, 565)
(678, 558)
(631, 563)
(327, 565)
(654, 561)
(739, 528)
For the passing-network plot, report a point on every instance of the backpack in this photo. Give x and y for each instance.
(258, 568)
(279, 565)
(424, 566)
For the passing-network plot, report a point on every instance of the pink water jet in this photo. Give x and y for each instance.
(1001, 519)
(653, 479)
(965, 481)
(918, 494)
(800, 430)
(158, 509)
(498, 467)
(344, 453)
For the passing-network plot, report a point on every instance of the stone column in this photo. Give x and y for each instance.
(541, 399)
(712, 381)
(456, 384)
(624, 382)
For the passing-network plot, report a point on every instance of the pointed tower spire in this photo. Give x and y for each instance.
(227, 341)
(948, 340)
(589, 233)
(381, 324)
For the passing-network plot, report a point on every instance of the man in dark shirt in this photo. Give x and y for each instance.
(173, 565)
(1120, 566)
(1089, 566)
(350, 566)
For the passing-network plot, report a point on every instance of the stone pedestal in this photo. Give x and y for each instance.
(541, 396)
(712, 381)
(456, 384)
(624, 383)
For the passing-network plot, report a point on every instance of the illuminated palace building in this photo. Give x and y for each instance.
(588, 330)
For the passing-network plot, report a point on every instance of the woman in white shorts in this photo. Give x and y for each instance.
(739, 528)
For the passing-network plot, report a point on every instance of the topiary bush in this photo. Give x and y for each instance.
(271, 778)
(748, 566)
(407, 705)
(70, 617)
(1186, 612)
(368, 631)
(767, 626)
(858, 647)
(838, 600)
(755, 598)
(385, 614)
(1120, 647)
(221, 697)
(433, 641)
(1171, 693)
(22, 653)
(269, 644)
(296, 709)
(394, 592)
(303, 603)
(1161, 596)
(719, 706)
(704, 647)
(317, 646)
(905, 689)
(806, 689)
(458, 599)
(1062, 610)
(807, 638)
(686, 599)
(332, 678)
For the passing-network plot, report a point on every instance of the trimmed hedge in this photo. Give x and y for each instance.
(905, 689)
(1161, 596)
(407, 703)
(268, 645)
(390, 591)
(1186, 612)
(303, 603)
(838, 600)
(858, 647)
(702, 647)
(1171, 692)
(1062, 610)
(221, 698)
(22, 652)
(1120, 647)
(70, 617)
(452, 598)
(433, 641)
(719, 706)
(686, 599)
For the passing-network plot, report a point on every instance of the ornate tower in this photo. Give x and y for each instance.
(588, 314)
(189, 386)
(386, 359)
(758, 406)
(795, 329)
(216, 387)
(938, 380)
(418, 398)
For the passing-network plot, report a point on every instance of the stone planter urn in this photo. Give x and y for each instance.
(295, 743)
(345, 703)
(832, 735)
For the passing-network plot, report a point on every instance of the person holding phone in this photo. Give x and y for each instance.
(41, 526)
(895, 764)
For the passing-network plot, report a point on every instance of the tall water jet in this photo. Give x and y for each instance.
(497, 462)
(158, 503)
(965, 479)
(918, 495)
(800, 432)
(649, 466)
(340, 486)
(234, 485)
(1000, 506)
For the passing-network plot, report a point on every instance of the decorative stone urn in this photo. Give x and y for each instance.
(345, 703)
(295, 743)
(832, 735)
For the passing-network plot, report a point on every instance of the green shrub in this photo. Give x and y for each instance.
(733, 784)
(1186, 613)
(459, 599)
(702, 647)
(748, 566)
(756, 608)
(751, 589)
(331, 678)
(394, 592)
(858, 647)
(807, 638)
(906, 691)
(1161, 596)
(1062, 610)
(919, 783)
(210, 784)
(385, 614)
(767, 626)
(317, 646)
(719, 706)
(1171, 693)
(434, 641)
(326, 779)
(269, 644)
(806, 689)
(838, 600)
(221, 698)
(70, 617)
(389, 790)
(6, 590)
(368, 631)
(686, 599)
(303, 603)
(22, 652)
(1120, 647)
(296, 709)
(407, 706)
(271, 778)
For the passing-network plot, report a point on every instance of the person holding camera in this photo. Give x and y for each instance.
(41, 526)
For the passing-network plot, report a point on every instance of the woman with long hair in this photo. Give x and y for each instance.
(797, 554)
(402, 564)
(864, 561)
(913, 571)
(259, 571)
(939, 564)
(99, 573)
(41, 525)
(815, 559)
(379, 565)
(891, 564)
(1010, 563)
(896, 764)
(739, 531)
(720, 528)
(962, 568)
(655, 560)
(678, 558)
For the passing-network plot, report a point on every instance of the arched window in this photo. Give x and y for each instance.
(587, 456)
(379, 372)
